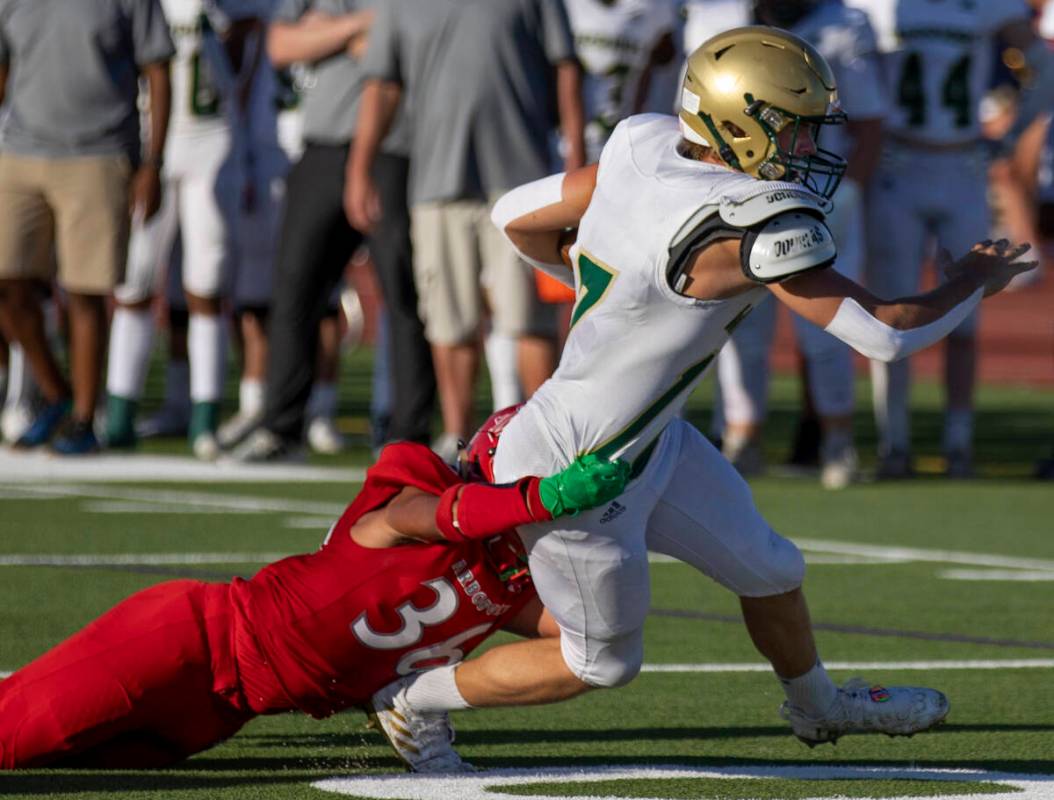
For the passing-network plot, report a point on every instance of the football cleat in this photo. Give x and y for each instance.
(323, 436)
(422, 740)
(264, 447)
(237, 429)
(859, 708)
(838, 462)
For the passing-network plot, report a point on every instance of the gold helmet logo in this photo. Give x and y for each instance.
(744, 87)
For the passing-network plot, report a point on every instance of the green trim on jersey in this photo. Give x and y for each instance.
(619, 440)
(594, 280)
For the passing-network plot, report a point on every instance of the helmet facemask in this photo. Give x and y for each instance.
(822, 170)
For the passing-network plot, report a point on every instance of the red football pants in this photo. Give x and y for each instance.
(135, 688)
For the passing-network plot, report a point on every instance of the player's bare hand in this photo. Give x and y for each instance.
(362, 203)
(588, 482)
(144, 195)
(993, 263)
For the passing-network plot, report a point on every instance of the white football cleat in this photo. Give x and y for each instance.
(15, 420)
(838, 462)
(422, 740)
(323, 436)
(237, 429)
(859, 708)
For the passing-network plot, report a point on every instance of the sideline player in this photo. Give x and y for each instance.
(845, 38)
(932, 182)
(197, 147)
(181, 666)
(685, 226)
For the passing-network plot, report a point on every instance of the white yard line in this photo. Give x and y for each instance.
(996, 575)
(134, 559)
(36, 467)
(920, 554)
(214, 501)
(1005, 663)
(949, 664)
(488, 785)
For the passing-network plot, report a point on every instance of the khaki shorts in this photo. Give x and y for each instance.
(73, 211)
(463, 267)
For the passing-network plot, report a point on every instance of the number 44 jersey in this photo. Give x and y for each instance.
(937, 60)
(322, 632)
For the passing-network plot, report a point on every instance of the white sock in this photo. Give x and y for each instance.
(323, 401)
(500, 351)
(958, 430)
(813, 693)
(435, 690)
(250, 397)
(207, 348)
(177, 384)
(131, 340)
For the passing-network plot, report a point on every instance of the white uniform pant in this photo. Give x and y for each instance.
(743, 363)
(591, 571)
(918, 197)
(190, 207)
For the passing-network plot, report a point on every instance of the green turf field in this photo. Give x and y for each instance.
(954, 580)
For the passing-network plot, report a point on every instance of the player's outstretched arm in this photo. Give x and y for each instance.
(536, 216)
(480, 510)
(890, 330)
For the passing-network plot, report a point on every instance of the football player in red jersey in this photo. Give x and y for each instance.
(421, 568)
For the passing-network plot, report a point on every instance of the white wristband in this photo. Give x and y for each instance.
(524, 200)
(875, 339)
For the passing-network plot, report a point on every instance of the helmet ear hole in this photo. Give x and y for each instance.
(733, 129)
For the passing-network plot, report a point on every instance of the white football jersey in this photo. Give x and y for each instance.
(636, 348)
(706, 18)
(937, 60)
(614, 42)
(196, 96)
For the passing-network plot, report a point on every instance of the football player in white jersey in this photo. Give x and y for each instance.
(197, 146)
(845, 38)
(686, 225)
(931, 183)
(618, 43)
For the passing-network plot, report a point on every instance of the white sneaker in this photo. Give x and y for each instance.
(264, 447)
(205, 447)
(447, 447)
(15, 420)
(323, 436)
(422, 740)
(858, 708)
(838, 462)
(235, 430)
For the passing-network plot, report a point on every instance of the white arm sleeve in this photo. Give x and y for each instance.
(524, 199)
(875, 339)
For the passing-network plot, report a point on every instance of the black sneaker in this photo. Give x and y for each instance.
(75, 438)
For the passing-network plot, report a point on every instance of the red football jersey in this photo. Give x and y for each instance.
(335, 626)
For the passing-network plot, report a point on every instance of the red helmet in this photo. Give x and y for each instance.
(479, 455)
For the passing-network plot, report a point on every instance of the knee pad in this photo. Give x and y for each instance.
(605, 664)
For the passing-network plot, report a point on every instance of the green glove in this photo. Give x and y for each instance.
(589, 481)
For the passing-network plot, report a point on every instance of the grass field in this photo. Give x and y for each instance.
(945, 584)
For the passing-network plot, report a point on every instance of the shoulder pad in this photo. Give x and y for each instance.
(768, 200)
(785, 245)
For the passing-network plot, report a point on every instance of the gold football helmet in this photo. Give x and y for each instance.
(746, 85)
